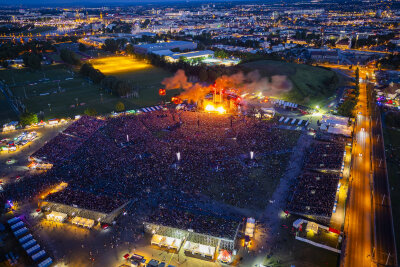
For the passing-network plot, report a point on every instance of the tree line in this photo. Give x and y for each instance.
(110, 84)
(347, 107)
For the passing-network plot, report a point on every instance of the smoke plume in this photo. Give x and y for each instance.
(251, 82)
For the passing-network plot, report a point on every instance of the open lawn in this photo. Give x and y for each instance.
(143, 76)
(310, 84)
(6, 113)
(392, 148)
(63, 89)
(290, 252)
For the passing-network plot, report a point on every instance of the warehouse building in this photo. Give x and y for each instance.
(150, 48)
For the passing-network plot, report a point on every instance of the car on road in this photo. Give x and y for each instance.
(363, 129)
(22, 143)
(360, 154)
(4, 140)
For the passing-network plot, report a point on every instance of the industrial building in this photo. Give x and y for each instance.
(190, 55)
(149, 48)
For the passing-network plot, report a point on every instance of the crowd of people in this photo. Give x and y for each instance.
(85, 127)
(86, 200)
(199, 223)
(170, 157)
(66, 143)
(314, 191)
(323, 155)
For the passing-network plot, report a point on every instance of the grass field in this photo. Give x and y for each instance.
(57, 86)
(143, 76)
(292, 252)
(392, 147)
(311, 85)
(62, 88)
(6, 113)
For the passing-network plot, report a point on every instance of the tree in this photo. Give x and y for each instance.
(119, 107)
(111, 45)
(145, 24)
(94, 74)
(90, 112)
(85, 69)
(33, 61)
(357, 76)
(28, 118)
(70, 57)
(82, 47)
(129, 49)
(346, 109)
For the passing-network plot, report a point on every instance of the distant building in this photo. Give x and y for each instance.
(149, 48)
(343, 44)
(190, 55)
(324, 55)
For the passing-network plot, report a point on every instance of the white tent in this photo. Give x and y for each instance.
(56, 216)
(200, 249)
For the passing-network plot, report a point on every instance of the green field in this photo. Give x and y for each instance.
(311, 85)
(292, 252)
(63, 89)
(142, 75)
(392, 147)
(6, 113)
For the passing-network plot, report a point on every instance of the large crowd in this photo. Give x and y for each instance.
(314, 191)
(323, 155)
(181, 157)
(86, 200)
(199, 223)
(66, 143)
(314, 194)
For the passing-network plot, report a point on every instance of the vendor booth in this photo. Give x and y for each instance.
(83, 222)
(200, 250)
(166, 241)
(56, 216)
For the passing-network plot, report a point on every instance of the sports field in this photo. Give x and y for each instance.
(70, 94)
(6, 113)
(310, 84)
(143, 76)
(56, 91)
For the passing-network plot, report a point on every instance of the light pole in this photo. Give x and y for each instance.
(49, 106)
(76, 99)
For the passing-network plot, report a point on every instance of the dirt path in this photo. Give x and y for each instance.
(277, 203)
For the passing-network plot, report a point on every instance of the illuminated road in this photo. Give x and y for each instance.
(358, 224)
